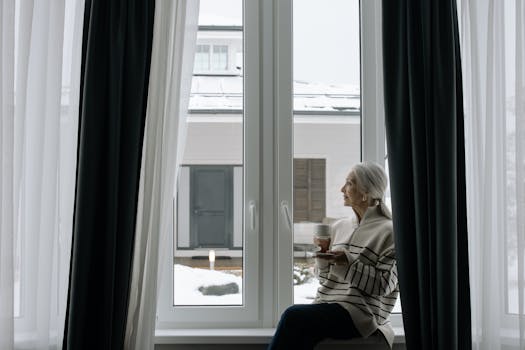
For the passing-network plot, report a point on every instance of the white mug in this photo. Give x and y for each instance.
(322, 231)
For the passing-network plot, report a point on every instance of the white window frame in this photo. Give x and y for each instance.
(246, 315)
(268, 111)
(372, 131)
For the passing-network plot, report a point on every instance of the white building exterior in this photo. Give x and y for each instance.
(327, 125)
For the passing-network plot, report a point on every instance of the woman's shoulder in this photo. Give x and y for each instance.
(386, 224)
(344, 224)
(342, 230)
(380, 231)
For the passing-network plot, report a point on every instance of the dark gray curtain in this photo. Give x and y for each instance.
(425, 139)
(115, 74)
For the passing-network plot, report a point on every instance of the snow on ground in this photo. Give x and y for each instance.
(187, 281)
(305, 293)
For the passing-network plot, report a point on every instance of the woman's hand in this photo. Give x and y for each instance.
(323, 243)
(335, 257)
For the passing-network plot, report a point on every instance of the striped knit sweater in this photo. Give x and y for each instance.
(367, 286)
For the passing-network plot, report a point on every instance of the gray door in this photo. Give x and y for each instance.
(211, 203)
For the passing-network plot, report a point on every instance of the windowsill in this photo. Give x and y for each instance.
(247, 336)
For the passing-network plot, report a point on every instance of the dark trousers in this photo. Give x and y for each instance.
(303, 326)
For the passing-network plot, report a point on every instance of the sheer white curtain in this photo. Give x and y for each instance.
(40, 64)
(174, 40)
(492, 44)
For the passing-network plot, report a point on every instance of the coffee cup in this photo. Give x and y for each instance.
(322, 236)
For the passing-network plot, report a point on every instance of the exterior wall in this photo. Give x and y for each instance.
(218, 139)
(214, 139)
(339, 142)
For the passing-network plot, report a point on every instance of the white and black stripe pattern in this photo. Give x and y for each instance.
(367, 286)
(370, 288)
(378, 279)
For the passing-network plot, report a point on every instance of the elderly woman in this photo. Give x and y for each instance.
(356, 270)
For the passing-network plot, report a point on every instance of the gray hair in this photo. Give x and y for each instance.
(371, 179)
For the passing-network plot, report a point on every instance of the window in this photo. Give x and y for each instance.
(211, 59)
(220, 58)
(208, 222)
(214, 273)
(269, 148)
(202, 58)
(326, 121)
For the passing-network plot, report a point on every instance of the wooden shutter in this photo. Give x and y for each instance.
(309, 190)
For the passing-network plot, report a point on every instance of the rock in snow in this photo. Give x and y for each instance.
(220, 289)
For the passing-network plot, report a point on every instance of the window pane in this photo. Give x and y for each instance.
(220, 58)
(202, 58)
(209, 242)
(327, 122)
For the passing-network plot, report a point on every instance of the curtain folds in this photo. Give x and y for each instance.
(493, 44)
(39, 70)
(169, 89)
(424, 123)
(115, 75)
(8, 209)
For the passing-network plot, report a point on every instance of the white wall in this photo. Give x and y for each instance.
(218, 139)
(214, 139)
(339, 144)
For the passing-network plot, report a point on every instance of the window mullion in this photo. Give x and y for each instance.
(284, 153)
(372, 102)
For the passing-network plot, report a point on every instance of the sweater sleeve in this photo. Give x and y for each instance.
(377, 279)
(322, 268)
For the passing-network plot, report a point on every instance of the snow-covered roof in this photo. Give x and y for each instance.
(225, 93)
